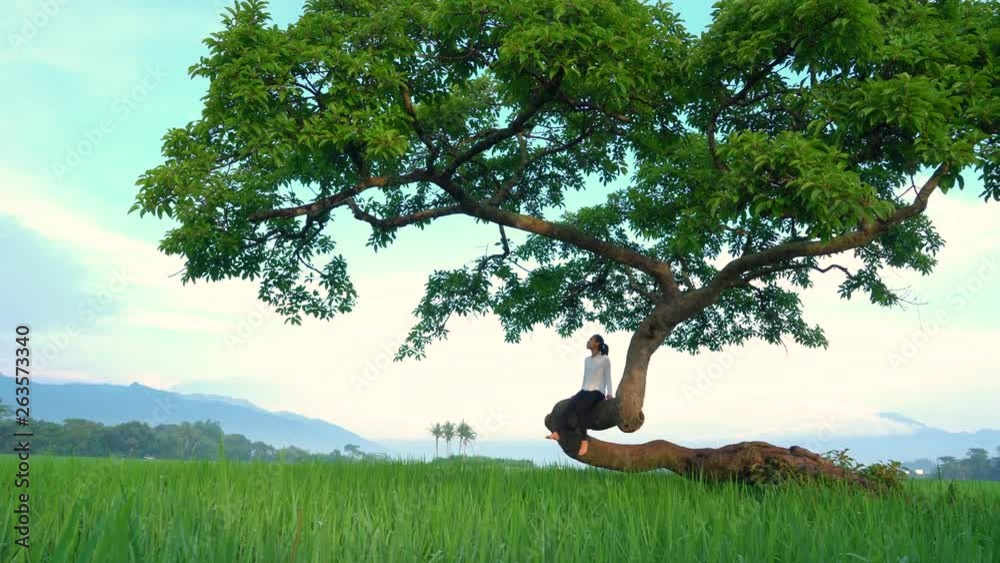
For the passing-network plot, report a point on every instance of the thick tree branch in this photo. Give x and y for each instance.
(564, 232)
(746, 462)
(625, 410)
(733, 272)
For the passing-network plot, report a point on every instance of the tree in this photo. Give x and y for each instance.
(168, 442)
(237, 446)
(352, 450)
(977, 463)
(5, 410)
(133, 438)
(465, 434)
(208, 433)
(85, 437)
(949, 468)
(448, 430)
(750, 155)
(461, 429)
(437, 431)
(198, 440)
(262, 451)
(293, 454)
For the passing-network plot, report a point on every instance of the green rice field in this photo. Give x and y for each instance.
(108, 510)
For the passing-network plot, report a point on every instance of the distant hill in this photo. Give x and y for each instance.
(115, 404)
(914, 441)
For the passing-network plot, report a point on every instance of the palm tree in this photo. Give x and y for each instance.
(448, 431)
(471, 437)
(437, 430)
(465, 435)
(460, 432)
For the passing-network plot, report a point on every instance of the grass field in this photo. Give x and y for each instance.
(105, 511)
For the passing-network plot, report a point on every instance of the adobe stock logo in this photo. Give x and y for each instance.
(247, 326)
(88, 312)
(32, 25)
(496, 418)
(382, 363)
(91, 138)
(959, 298)
(705, 379)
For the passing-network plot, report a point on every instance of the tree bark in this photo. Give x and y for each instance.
(749, 462)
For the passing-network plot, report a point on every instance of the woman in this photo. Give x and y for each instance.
(596, 386)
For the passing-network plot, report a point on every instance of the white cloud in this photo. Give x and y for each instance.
(155, 295)
(95, 43)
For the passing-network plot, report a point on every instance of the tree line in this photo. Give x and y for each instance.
(976, 465)
(450, 431)
(187, 440)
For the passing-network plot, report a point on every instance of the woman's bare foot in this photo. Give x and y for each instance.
(553, 436)
(583, 447)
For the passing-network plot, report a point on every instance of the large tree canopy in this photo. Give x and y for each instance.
(787, 132)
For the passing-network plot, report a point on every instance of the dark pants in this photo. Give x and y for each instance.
(576, 418)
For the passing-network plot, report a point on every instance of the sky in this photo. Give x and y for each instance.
(91, 89)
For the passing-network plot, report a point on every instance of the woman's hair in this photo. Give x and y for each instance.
(602, 346)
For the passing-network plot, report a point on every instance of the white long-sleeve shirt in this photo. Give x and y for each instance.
(597, 374)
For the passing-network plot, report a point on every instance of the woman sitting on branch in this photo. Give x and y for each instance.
(596, 387)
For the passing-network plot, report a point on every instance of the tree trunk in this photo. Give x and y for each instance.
(751, 462)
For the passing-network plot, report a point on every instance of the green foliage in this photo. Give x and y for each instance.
(889, 475)
(885, 476)
(794, 176)
(774, 473)
(977, 464)
(77, 437)
(786, 121)
(767, 313)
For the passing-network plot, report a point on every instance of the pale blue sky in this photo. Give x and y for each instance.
(98, 295)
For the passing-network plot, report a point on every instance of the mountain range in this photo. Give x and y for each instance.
(115, 404)
(917, 440)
